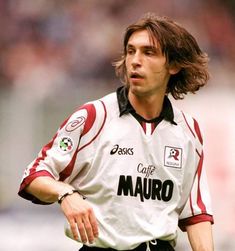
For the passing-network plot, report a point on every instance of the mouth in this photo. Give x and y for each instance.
(135, 75)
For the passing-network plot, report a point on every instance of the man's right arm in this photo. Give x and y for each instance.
(78, 212)
(200, 236)
(47, 189)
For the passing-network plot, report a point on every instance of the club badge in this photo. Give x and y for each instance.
(173, 157)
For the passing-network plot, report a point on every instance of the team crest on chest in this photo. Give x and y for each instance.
(173, 157)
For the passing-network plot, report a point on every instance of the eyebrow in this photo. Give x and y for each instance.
(146, 47)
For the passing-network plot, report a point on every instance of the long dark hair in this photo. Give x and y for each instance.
(181, 50)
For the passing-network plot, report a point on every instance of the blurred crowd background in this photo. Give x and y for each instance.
(57, 54)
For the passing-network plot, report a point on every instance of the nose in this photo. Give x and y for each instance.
(136, 60)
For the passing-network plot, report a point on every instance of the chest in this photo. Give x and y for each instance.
(147, 151)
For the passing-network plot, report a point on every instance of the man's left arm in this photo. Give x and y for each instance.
(200, 236)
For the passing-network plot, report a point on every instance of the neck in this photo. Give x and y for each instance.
(147, 107)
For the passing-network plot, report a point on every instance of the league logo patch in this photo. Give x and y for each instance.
(173, 157)
(66, 144)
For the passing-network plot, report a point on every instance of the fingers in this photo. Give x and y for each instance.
(86, 230)
(73, 227)
(94, 225)
(83, 222)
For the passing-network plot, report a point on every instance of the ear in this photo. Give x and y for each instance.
(173, 69)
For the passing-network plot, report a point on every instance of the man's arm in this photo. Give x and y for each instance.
(200, 236)
(78, 212)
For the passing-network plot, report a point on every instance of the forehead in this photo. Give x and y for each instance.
(142, 38)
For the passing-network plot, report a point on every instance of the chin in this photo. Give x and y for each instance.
(137, 90)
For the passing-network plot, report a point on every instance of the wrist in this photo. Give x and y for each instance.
(64, 194)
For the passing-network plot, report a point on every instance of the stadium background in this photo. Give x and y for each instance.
(55, 55)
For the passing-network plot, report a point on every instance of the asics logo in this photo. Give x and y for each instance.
(121, 150)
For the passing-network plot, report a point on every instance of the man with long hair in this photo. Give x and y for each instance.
(127, 169)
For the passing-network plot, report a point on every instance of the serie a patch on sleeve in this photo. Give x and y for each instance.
(65, 144)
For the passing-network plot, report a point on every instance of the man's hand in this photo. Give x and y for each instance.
(81, 217)
(78, 211)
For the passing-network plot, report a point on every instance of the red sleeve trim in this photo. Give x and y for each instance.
(98, 133)
(22, 193)
(198, 132)
(69, 168)
(200, 202)
(194, 220)
(42, 157)
(196, 128)
(190, 129)
(90, 119)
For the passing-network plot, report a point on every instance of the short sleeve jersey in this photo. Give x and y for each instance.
(142, 178)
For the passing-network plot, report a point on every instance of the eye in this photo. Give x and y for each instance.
(150, 52)
(130, 51)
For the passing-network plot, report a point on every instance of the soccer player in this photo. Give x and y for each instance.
(127, 169)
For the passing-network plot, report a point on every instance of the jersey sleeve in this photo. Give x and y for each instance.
(197, 207)
(57, 158)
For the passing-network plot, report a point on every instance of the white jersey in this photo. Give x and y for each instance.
(142, 181)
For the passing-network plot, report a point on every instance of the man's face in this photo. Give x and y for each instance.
(147, 71)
